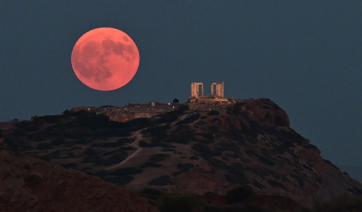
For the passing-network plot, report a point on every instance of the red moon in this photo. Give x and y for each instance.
(105, 59)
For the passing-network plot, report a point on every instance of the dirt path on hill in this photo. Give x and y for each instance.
(135, 144)
(125, 160)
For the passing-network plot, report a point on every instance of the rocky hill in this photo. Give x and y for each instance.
(31, 184)
(210, 149)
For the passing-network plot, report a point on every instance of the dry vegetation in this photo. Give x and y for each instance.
(190, 151)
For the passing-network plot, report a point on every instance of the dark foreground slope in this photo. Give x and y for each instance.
(198, 151)
(30, 184)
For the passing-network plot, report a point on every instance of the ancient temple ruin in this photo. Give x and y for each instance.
(217, 93)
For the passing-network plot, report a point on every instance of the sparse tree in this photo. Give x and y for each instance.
(175, 100)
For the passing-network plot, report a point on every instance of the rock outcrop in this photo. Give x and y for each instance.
(266, 112)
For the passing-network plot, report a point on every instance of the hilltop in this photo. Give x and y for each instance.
(195, 148)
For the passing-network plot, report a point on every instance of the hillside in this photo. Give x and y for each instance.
(205, 149)
(30, 184)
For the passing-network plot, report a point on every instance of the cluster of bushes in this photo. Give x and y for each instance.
(44, 146)
(183, 167)
(119, 180)
(239, 194)
(189, 119)
(17, 144)
(150, 164)
(158, 157)
(213, 113)
(205, 151)
(158, 132)
(58, 141)
(183, 135)
(127, 171)
(344, 203)
(235, 201)
(259, 171)
(236, 175)
(70, 165)
(179, 203)
(154, 143)
(277, 184)
(50, 156)
(189, 202)
(227, 146)
(84, 124)
(170, 116)
(265, 160)
(194, 157)
(151, 193)
(161, 181)
(27, 126)
(120, 176)
(114, 159)
(208, 138)
(118, 143)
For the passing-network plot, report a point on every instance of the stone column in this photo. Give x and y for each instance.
(212, 88)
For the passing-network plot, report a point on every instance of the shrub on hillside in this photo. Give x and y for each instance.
(205, 151)
(185, 166)
(159, 157)
(149, 145)
(158, 131)
(127, 171)
(111, 160)
(277, 184)
(183, 108)
(119, 180)
(90, 151)
(102, 173)
(70, 165)
(213, 113)
(28, 126)
(169, 117)
(17, 144)
(36, 137)
(179, 203)
(183, 134)
(150, 164)
(340, 204)
(118, 143)
(43, 146)
(239, 194)
(161, 181)
(189, 119)
(58, 141)
(151, 193)
(194, 157)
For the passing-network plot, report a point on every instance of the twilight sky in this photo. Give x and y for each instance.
(304, 55)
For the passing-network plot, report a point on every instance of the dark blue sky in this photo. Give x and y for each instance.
(304, 55)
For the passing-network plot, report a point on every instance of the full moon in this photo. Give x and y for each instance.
(105, 59)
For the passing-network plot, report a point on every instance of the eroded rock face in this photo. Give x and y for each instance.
(30, 184)
(266, 111)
